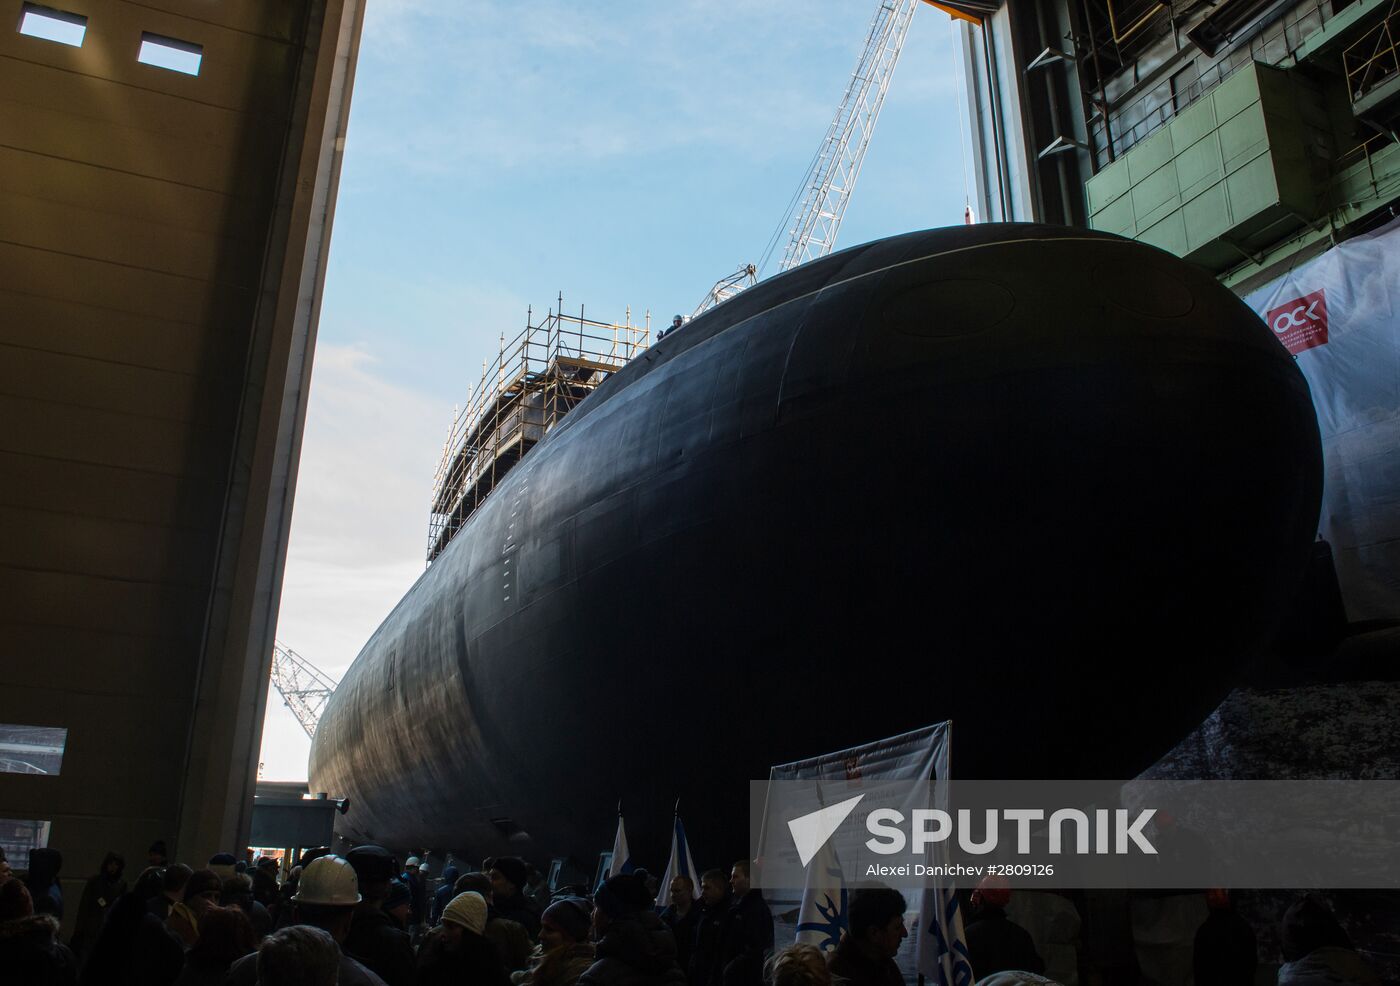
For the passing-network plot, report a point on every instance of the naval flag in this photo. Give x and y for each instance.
(680, 864)
(822, 918)
(943, 955)
(621, 855)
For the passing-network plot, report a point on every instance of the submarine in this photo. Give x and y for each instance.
(1054, 485)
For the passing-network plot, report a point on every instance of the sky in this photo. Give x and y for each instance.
(620, 152)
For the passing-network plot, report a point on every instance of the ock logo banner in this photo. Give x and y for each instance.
(1301, 323)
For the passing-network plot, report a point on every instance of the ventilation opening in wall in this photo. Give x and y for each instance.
(52, 25)
(19, 836)
(31, 749)
(170, 53)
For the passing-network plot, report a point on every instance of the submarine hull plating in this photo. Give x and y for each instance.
(1054, 485)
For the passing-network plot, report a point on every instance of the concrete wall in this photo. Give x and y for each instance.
(162, 245)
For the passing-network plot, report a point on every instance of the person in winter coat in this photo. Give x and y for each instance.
(172, 890)
(511, 939)
(30, 951)
(398, 904)
(536, 888)
(412, 877)
(799, 964)
(706, 960)
(225, 936)
(202, 891)
(634, 948)
(442, 895)
(748, 934)
(995, 943)
(299, 956)
(42, 881)
(456, 953)
(237, 892)
(375, 940)
(1225, 952)
(264, 876)
(682, 916)
(865, 955)
(565, 952)
(326, 896)
(133, 948)
(509, 876)
(148, 883)
(100, 893)
(1318, 952)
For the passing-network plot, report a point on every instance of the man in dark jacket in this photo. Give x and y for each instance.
(748, 936)
(30, 951)
(682, 916)
(173, 881)
(42, 881)
(706, 967)
(100, 892)
(995, 943)
(326, 897)
(238, 892)
(509, 875)
(265, 888)
(374, 939)
(412, 878)
(442, 895)
(511, 939)
(865, 955)
(634, 948)
(1225, 952)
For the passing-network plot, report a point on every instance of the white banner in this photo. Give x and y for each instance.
(921, 755)
(1336, 314)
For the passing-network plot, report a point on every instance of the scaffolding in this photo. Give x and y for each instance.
(536, 379)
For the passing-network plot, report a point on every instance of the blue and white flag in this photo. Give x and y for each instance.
(943, 956)
(680, 864)
(621, 855)
(822, 918)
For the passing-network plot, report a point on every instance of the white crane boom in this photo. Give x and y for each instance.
(304, 687)
(832, 176)
(821, 200)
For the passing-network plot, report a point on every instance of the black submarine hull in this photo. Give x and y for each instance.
(1054, 485)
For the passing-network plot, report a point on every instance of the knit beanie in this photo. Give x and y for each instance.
(467, 910)
(569, 915)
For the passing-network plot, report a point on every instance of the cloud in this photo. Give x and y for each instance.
(359, 526)
(481, 87)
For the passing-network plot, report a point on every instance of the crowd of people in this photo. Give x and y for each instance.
(363, 920)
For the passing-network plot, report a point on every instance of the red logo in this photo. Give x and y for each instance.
(1302, 323)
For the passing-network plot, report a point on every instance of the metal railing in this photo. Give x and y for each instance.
(1373, 59)
(1273, 45)
(535, 379)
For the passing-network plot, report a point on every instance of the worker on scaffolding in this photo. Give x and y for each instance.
(676, 323)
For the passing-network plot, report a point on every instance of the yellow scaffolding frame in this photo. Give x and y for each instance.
(1373, 59)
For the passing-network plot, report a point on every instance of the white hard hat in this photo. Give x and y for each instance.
(328, 880)
(411, 861)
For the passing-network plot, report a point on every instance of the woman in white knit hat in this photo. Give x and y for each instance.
(456, 953)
